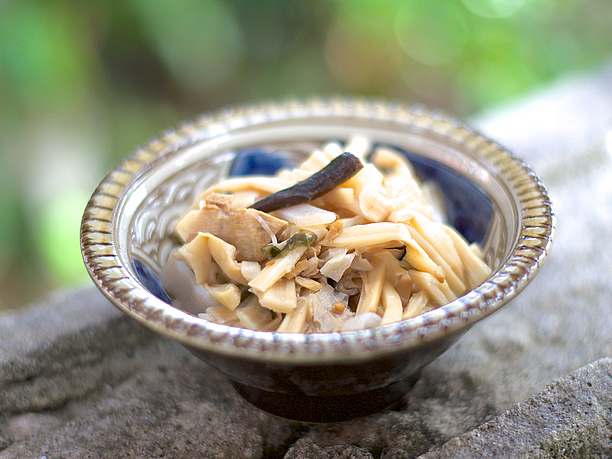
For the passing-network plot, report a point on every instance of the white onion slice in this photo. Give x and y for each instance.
(306, 215)
(335, 267)
(331, 253)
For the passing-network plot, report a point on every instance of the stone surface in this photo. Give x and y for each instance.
(107, 387)
(570, 418)
(79, 380)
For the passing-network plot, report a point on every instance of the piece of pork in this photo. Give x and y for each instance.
(246, 229)
(238, 200)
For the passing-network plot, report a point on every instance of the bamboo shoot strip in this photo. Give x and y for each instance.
(338, 171)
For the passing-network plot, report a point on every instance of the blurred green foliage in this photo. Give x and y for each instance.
(82, 83)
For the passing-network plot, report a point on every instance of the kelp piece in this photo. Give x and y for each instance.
(338, 171)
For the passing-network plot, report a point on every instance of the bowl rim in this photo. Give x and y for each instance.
(115, 281)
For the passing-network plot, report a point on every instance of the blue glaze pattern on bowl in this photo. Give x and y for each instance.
(258, 162)
(150, 280)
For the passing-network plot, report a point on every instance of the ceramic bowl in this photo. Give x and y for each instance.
(491, 197)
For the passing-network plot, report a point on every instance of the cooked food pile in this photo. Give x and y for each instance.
(336, 244)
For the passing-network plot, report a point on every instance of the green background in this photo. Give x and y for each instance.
(83, 83)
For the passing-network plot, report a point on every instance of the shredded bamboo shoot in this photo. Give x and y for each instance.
(336, 244)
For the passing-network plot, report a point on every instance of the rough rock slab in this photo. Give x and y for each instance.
(79, 380)
(571, 418)
(112, 389)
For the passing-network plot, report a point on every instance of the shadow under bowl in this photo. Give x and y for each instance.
(491, 197)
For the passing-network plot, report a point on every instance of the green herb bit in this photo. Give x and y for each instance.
(300, 238)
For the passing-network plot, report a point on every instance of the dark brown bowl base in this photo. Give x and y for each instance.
(306, 408)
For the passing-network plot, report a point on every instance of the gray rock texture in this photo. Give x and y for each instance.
(112, 389)
(77, 379)
(570, 418)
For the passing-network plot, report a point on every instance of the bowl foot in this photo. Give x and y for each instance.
(306, 408)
